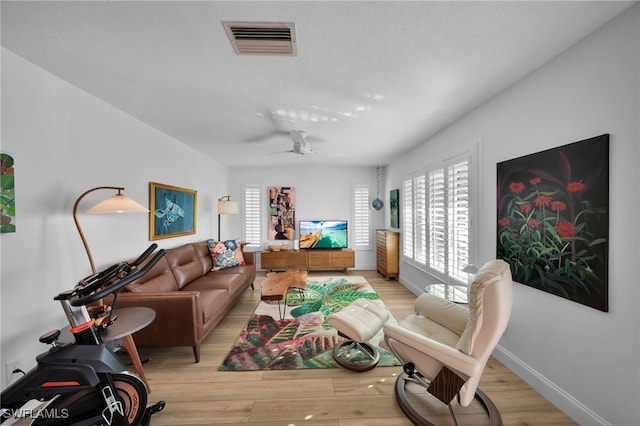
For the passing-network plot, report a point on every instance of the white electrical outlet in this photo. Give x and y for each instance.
(11, 366)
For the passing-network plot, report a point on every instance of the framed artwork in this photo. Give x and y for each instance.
(553, 220)
(172, 211)
(282, 213)
(7, 194)
(394, 205)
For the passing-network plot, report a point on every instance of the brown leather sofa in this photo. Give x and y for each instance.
(189, 298)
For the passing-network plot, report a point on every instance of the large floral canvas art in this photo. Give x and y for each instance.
(553, 220)
(7, 194)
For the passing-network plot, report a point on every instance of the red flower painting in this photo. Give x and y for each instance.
(553, 220)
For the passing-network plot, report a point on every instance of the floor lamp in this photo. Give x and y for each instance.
(226, 206)
(115, 204)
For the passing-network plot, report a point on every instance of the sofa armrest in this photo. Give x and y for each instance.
(249, 257)
(178, 317)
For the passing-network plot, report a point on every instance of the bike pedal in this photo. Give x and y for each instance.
(158, 406)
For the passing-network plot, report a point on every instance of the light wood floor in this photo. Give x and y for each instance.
(199, 394)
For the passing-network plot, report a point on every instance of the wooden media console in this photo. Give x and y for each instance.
(308, 259)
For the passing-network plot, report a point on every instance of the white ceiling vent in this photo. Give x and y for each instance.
(262, 38)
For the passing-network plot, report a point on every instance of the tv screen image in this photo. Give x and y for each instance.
(323, 234)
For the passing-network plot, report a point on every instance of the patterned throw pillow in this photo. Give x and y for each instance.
(225, 254)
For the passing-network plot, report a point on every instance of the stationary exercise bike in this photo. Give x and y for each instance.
(83, 383)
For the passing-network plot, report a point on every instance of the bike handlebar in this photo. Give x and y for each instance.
(144, 255)
(118, 276)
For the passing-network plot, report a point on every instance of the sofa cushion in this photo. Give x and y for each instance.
(248, 272)
(214, 302)
(204, 255)
(159, 278)
(185, 264)
(225, 254)
(231, 283)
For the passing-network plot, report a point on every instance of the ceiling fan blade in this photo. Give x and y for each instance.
(267, 136)
(314, 139)
(300, 145)
(282, 152)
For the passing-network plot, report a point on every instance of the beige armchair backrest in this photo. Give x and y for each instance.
(490, 300)
(443, 333)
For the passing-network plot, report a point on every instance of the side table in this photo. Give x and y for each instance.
(276, 287)
(128, 321)
(453, 293)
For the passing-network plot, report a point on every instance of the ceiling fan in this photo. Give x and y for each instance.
(300, 145)
(280, 124)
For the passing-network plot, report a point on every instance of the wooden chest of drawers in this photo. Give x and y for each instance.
(387, 253)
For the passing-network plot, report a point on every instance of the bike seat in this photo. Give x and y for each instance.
(50, 337)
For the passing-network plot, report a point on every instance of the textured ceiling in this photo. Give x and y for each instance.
(370, 79)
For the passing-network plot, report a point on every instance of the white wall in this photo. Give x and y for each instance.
(321, 193)
(586, 361)
(66, 141)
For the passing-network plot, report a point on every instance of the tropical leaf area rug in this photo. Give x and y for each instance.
(303, 339)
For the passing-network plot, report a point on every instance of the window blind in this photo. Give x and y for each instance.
(252, 203)
(458, 219)
(407, 218)
(361, 217)
(420, 224)
(437, 219)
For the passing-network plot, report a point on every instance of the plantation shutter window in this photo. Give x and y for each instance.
(437, 215)
(407, 218)
(420, 222)
(437, 221)
(252, 202)
(361, 217)
(458, 220)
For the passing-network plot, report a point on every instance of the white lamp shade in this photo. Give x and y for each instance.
(118, 204)
(228, 207)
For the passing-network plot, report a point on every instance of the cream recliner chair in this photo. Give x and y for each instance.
(444, 346)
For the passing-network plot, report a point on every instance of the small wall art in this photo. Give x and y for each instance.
(394, 205)
(172, 211)
(282, 213)
(553, 220)
(7, 194)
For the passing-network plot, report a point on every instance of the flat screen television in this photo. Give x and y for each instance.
(323, 234)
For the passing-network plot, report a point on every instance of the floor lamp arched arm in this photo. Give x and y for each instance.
(75, 219)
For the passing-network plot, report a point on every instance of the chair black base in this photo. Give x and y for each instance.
(366, 356)
(417, 417)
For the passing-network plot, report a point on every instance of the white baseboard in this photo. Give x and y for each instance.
(365, 267)
(573, 408)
